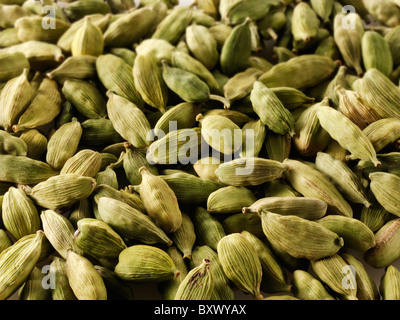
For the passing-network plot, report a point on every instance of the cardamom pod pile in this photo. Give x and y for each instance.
(211, 150)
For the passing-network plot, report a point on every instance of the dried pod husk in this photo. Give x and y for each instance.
(305, 22)
(37, 8)
(385, 12)
(117, 289)
(12, 145)
(238, 117)
(374, 216)
(383, 132)
(173, 26)
(85, 97)
(59, 231)
(328, 47)
(62, 289)
(17, 263)
(66, 114)
(88, 40)
(323, 9)
(306, 287)
(80, 210)
(131, 223)
(391, 38)
(338, 152)
(97, 239)
(99, 132)
(24, 170)
(41, 55)
(230, 199)
(236, 49)
(254, 134)
(250, 171)
(353, 106)
(292, 98)
(186, 62)
(9, 37)
(347, 134)
(376, 52)
(366, 286)
(33, 289)
(12, 65)
(85, 162)
(5, 240)
(379, 92)
(313, 68)
(384, 187)
(312, 183)
(130, 28)
(148, 77)
(107, 159)
(77, 10)
(209, 230)
(348, 41)
(278, 146)
(339, 79)
(19, 213)
(133, 160)
(240, 84)
(187, 85)
(272, 23)
(126, 54)
(222, 289)
(238, 222)
(304, 207)
(62, 191)
(205, 167)
(310, 137)
(274, 278)
(182, 145)
(281, 54)
(335, 273)
(221, 133)
(386, 249)
(128, 120)
(279, 188)
(221, 32)
(14, 99)
(169, 287)
(36, 143)
(160, 201)
(356, 234)
(198, 283)
(202, 45)
(276, 228)
(99, 20)
(144, 263)
(131, 198)
(159, 48)
(31, 28)
(10, 14)
(116, 75)
(181, 116)
(190, 189)
(85, 281)
(44, 108)
(345, 180)
(389, 285)
(240, 263)
(63, 144)
(184, 237)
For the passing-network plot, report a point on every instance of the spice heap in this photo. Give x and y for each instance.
(209, 149)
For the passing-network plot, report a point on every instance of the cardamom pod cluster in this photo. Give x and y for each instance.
(213, 150)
